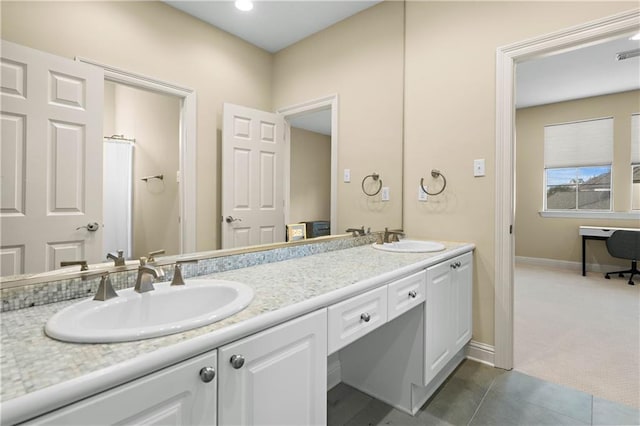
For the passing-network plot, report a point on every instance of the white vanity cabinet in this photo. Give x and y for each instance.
(448, 310)
(277, 376)
(183, 394)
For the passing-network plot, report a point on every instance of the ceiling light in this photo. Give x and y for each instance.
(244, 5)
(627, 54)
(635, 37)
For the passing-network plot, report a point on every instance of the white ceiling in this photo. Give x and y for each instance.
(273, 25)
(581, 73)
(317, 121)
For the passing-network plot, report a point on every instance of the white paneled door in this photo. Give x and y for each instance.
(51, 110)
(253, 150)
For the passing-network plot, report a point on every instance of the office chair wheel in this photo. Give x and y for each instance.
(631, 282)
(607, 276)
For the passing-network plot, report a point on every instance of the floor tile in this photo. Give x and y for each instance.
(499, 409)
(611, 413)
(378, 413)
(343, 403)
(458, 399)
(563, 400)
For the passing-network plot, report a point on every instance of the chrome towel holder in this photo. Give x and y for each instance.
(376, 178)
(435, 174)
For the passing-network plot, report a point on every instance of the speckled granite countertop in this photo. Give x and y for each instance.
(33, 365)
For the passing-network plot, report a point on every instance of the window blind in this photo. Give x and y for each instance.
(583, 143)
(635, 139)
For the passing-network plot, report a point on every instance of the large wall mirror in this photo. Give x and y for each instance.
(354, 65)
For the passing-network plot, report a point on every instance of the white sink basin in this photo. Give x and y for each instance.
(135, 316)
(410, 246)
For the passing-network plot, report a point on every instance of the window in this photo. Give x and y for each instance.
(635, 162)
(577, 159)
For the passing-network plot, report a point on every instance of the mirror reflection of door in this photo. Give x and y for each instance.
(310, 170)
(146, 124)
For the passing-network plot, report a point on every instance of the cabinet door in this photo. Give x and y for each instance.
(283, 379)
(174, 396)
(462, 299)
(438, 319)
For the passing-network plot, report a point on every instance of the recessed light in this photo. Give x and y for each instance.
(244, 5)
(635, 37)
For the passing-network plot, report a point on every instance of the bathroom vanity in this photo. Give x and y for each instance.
(398, 322)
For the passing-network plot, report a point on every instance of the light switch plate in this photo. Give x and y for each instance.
(385, 193)
(347, 175)
(478, 167)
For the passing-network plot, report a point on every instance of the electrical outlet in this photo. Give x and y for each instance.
(385, 193)
(347, 175)
(422, 196)
(478, 167)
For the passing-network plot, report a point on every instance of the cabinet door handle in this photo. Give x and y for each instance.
(365, 317)
(458, 264)
(453, 266)
(207, 374)
(237, 361)
(413, 294)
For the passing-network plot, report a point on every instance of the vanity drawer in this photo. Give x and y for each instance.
(355, 317)
(405, 294)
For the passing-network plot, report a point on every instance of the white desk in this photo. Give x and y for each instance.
(597, 233)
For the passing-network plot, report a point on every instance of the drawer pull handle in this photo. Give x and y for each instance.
(365, 317)
(237, 361)
(413, 294)
(207, 374)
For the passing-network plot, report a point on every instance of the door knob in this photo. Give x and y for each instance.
(231, 219)
(237, 361)
(91, 227)
(207, 374)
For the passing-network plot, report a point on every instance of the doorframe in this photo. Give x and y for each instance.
(506, 57)
(187, 142)
(303, 108)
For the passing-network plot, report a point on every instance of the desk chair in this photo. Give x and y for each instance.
(625, 245)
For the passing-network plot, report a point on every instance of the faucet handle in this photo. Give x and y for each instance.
(152, 255)
(105, 289)
(118, 260)
(82, 263)
(177, 271)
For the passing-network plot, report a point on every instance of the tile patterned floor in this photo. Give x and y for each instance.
(476, 394)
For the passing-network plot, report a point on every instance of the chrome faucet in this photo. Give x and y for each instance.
(147, 274)
(118, 260)
(392, 235)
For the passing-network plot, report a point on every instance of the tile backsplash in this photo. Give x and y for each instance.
(57, 291)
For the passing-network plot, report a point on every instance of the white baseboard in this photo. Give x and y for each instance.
(481, 352)
(566, 264)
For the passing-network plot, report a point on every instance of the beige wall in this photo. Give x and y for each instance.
(557, 238)
(152, 120)
(361, 60)
(310, 176)
(156, 40)
(450, 117)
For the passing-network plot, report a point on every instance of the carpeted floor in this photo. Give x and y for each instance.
(581, 332)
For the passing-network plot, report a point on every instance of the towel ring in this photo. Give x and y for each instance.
(434, 173)
(376, 178)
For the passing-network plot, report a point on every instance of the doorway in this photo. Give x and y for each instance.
(507, 57)
(187, 143)
(141, 130)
